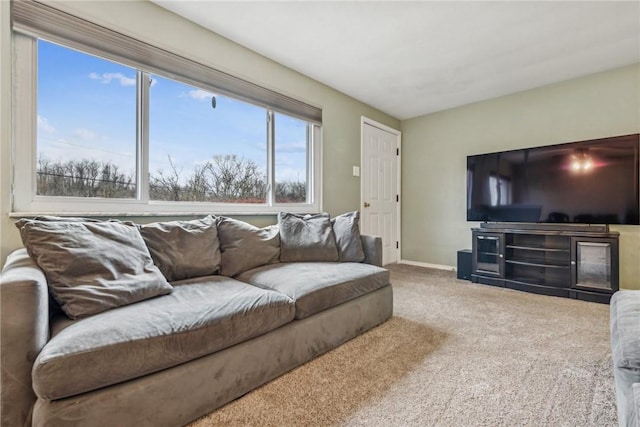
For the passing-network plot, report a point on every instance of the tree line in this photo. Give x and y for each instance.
(222, 179)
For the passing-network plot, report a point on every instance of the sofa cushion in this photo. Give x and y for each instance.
(633, 417)
(346, 228)
(316, 286)
(306, 238)
(92, 266)
(183, 249)
(199, 317)
(625, 349)
(625, 329)
(244, 246)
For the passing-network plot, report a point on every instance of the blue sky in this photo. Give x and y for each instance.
(87, 110)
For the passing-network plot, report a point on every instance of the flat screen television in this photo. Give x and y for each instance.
(586, 182)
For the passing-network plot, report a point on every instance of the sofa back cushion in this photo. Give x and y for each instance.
(183, 249)
(346, 228)
(306, 238)
(244, 246)
(92, 266)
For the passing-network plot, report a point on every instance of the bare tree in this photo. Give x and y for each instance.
(82, 178)
(197, 185)
(166, 186)
(223, 178)
(235, 179)
(291, 192)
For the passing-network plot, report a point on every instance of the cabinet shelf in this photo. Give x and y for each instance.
(537, 282)
(535, 248)
(539, 263)
(488, 253)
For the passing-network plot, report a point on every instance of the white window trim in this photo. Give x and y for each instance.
(26, 202)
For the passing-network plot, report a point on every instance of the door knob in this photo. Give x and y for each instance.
(366, 204)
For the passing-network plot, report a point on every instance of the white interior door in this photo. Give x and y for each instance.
(380, 186)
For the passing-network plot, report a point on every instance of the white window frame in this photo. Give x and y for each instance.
(25, 200)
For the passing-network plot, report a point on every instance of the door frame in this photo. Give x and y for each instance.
(367, 121)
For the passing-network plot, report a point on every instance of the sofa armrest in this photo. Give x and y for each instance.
(24, 330)
(625, 349)
(625, 329)
(372, 246)
(633, 417)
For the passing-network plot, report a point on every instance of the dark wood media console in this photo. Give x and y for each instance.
(561, 260)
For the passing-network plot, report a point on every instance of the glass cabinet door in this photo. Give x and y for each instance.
(488, 253)
(594, 264)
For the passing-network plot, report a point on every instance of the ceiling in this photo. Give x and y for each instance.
(408, 59)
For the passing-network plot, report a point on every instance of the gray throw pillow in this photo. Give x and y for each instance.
(306, 238)
(183, 249)
(92, 267)
(244, 246)
(346, 228)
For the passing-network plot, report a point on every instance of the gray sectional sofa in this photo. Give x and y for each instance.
(291, 293)
(625, 346)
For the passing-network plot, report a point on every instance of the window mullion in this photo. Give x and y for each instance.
(142, 137)
(310, 179)
(271, 182)
(315, 182)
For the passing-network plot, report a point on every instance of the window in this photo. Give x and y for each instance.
(109, 131)
(291, 159)
(205, 147)
(121, 139)
(86, 125)
(470, 187)
(500, 190)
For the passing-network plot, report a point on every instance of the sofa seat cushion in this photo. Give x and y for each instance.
(316, 286)
(625, 349)
(625, 329)
(199, 317)
(633, 416)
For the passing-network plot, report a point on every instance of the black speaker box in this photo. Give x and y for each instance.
(464, 264)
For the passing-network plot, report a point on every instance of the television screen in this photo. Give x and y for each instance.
(587, 182)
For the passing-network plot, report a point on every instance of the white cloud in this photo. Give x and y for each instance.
(84, 134)
(294, 147)
(200, 95)
(44, 126)
(107, 78)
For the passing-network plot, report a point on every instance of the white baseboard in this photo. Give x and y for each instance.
(427, 265)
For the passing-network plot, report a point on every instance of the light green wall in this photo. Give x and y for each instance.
(7, 234)
(148, 22)
(435, 147)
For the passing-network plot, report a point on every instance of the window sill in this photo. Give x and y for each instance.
(159, 214)
(240, 211)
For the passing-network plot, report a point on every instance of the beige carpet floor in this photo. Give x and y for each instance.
(454, 354)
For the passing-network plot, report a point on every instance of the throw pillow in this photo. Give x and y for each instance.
(244, 246)
(306, 238)
(92, 267)
(346, 228)
(183, 249)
